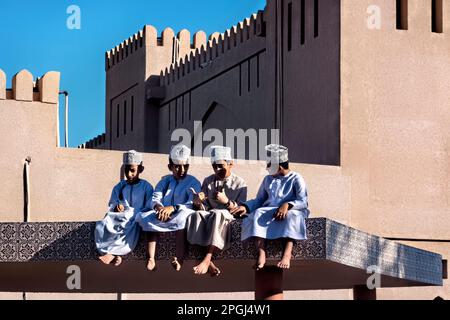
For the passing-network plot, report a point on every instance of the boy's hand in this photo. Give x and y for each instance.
(158, 208)
(239, 211)
(202, 196)
(282, 211)
(221, 197)
(198, 199)
(197, 204)
(120, 208)
(164, 213)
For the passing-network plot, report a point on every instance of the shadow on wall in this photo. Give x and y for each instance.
(221, 125)
(376, 254)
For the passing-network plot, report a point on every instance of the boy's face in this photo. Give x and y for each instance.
(180, 170)
(273, 169)
(132, 172)
(222, 169)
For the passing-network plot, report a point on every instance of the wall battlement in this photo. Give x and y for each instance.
(123, 50)
(44, 89)
(187, 55)
(94, 143)
(148, 37)
(217, 45)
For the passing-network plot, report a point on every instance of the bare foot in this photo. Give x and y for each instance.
(285, 262)
(261, 262)
(107, 258)
(151, 264)
(202, 268)
(176, 264)
(117, 261)
(213, 270)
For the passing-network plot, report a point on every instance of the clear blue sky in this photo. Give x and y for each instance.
(34, 36)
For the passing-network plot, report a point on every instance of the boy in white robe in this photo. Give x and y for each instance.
(171, 204)
(279, 209)
(117, 234)
(210, 225)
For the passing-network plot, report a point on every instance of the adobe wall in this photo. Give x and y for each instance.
(70, 184)
(28, 128)
(394, 178)
(395, 121)
(259, 75)
(82, 181)
(222, 85)
(310, 80)
(132, 67)
(125, 90)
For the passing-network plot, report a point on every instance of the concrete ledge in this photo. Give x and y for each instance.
(35, 257)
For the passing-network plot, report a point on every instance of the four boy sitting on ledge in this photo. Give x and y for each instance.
(202, 214)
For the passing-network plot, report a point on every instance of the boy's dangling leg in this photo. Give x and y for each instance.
(151, 238)
(285, 262)
(107, 258)
(261, 247)
(203, 266)
(117, 261)
(180, 241)
(213, 270)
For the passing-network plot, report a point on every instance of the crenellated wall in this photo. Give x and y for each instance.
(99, 142)
(218, 44)
(222, 85)
(74, 184)
(131, 68)
(178, 46)
(138, 102)
(123, 50)
(390, 175)
(390, 89)
(24, 88)
(125, 75)
(28, 129)
(267, 72)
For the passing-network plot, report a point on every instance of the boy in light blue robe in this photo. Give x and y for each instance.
(118, 233)
(171, 204)
(279, 209)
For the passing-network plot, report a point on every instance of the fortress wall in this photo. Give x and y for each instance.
(125, 79)
(75, 184)
(242, 37)
(124, 50)
(394, 175)
(81, 182)
(232, 83)
(310, 80)
(99, 142)
(224, 85)
(232, 98)
(395, 120)
(28, 128)
(131, 67)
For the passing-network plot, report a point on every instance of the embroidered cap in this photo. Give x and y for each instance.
(180, 154)
(132, 157)
(277, 153)
(220, 153)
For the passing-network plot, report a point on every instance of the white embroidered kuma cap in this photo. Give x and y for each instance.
(132, 157)
(277, 153)
(180, 154)
(220, 154)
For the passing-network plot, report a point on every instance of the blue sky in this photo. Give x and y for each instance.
(34, 36)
